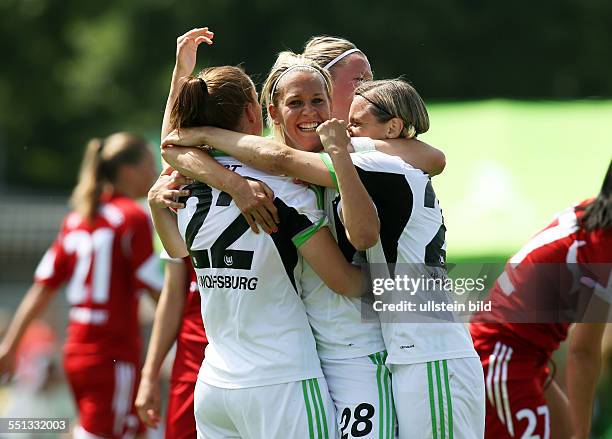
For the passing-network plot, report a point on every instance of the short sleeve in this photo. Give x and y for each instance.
(145, 262)
(55, 267)
(595, 261)
(330, 167)
(300, 221)
(363, 144)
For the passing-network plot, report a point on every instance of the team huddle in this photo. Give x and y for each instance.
(265, 239)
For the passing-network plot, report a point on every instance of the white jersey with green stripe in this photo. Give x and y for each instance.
(250, 284)
(412, 237)
(336, 321)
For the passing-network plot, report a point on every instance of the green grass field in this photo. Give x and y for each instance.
(512, 165)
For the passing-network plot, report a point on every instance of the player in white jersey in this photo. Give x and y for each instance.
(449, 396)
(351, 348)
(261, 376)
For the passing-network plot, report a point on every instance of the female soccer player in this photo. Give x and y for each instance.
(424, 357)
(563, 267)
(104, 252)
(349, 67)
(351, 348)
(178, 315)
(177, 318)
(260, 348)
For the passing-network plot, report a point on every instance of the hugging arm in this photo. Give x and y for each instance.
(274, 157)
(414, 152)
(262, 153)
(163, 219)
(253, 202)
(306, 227)
(340, 276)
(358, 212)
(186, 56)
(187, 44)
(253, 198)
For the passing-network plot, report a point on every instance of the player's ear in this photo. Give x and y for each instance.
(394, 128)
(249, 112)
(274, 114)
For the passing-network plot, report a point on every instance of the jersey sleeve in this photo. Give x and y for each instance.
(595, 263)
(301, 220)
(330, 167)
(145, 262)
(55, 267)
(363, 144)
(395, 192)
(378, 172)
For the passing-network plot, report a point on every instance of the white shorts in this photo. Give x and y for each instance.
(300, 409)
(440, 399)
(361, 391)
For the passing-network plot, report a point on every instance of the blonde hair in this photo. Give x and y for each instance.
(323, 49)
(391, 98)
(100, 166)
(271, 92)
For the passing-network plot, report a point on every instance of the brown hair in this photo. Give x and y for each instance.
(322, 49)
(285, 61)
(598, 213)
(391, 98)
(217, 97)
(101, 163)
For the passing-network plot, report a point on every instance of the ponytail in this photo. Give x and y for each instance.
(188, 108)
(100, 167)
(216, 97)
(86, 195)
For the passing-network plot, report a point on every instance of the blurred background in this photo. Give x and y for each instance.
(518, 95)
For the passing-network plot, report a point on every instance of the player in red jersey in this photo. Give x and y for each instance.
(178, 317)
(561, 275)
(104, 253)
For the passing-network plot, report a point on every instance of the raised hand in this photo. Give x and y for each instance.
(333, 135)
(187, 49)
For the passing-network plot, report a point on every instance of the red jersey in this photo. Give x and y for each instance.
(191, 339)
(105, 263)
(534, 298)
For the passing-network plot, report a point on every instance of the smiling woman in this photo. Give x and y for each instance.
(297, 95)
(387, 109)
